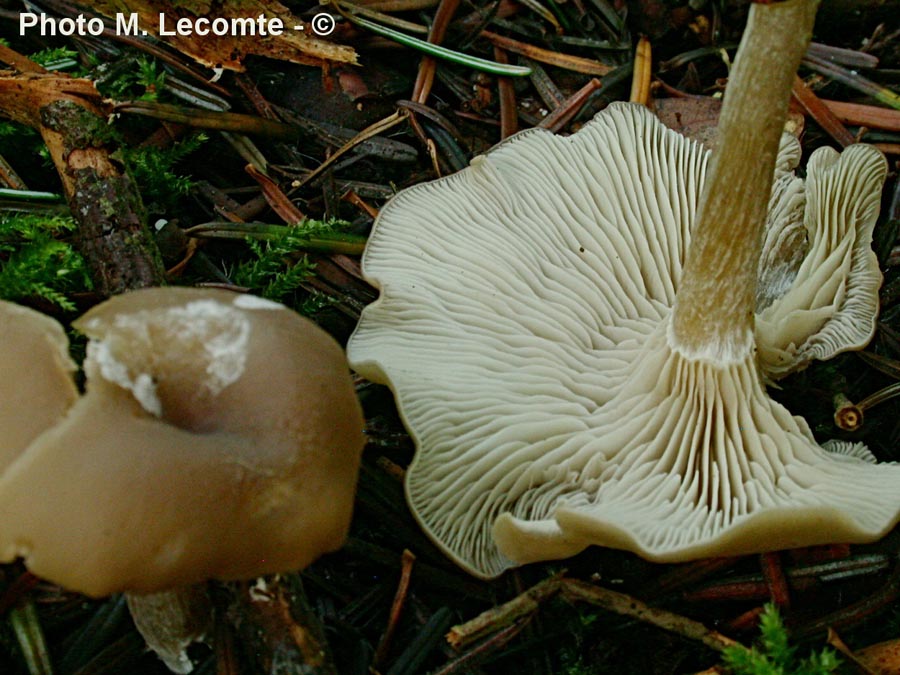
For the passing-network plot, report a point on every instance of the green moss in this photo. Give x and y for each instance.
(139, 78)
(775, 656)
(35, 260)
(154, 170)
(279, 267)
(56, 58)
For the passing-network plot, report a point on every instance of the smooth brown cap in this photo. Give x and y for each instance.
(219, 437)
(36, 386)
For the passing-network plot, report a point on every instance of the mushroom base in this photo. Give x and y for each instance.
(171, 621)
(697, 460)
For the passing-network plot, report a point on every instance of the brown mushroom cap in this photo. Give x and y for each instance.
(219, 437)
(36, 386)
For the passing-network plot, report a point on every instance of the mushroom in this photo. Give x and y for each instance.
(219, 438)
(568, 328)
(36, 387)
(816, 305)
(215, 424)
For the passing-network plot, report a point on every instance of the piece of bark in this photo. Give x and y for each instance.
(112, 233)
(279, 629)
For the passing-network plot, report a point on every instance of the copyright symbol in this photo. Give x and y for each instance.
(323, 24)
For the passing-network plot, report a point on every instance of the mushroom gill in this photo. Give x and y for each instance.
(831, 301)
(568, 327)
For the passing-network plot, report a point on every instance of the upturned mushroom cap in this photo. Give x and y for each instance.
(219, 437)
(819, 278)
(524, 325)
(36, 386)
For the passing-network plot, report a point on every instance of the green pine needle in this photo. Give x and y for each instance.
(439, 51)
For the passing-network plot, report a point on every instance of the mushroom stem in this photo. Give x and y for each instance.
(713, 313)
(171, 621)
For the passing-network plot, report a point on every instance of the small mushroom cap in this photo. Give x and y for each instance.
(219, 437)
(36, 386)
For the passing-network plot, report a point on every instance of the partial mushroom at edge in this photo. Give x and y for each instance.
(36, 385)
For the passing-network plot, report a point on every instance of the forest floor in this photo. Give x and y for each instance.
(386, 600)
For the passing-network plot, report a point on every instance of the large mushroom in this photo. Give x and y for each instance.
(569, 329)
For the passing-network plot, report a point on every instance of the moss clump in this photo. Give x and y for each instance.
(35, 260)
(279, 266)
(775, 656)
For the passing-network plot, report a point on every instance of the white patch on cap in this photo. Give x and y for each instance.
(207, 337)
(142, 386)
(255, 302)
(224, 334)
